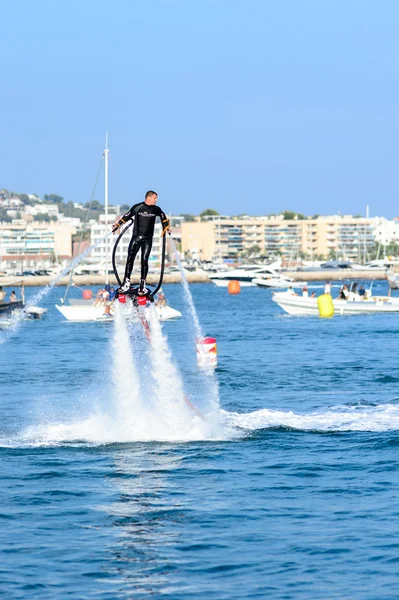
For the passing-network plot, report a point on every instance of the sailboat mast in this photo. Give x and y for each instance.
(106, 151)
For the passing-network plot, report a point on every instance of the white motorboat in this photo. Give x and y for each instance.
(276, 280)
(301, 305)
(81, 310)
(245, 275)
(35, 312)
(84, 310)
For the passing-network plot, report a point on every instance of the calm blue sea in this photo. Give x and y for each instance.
(294, 497)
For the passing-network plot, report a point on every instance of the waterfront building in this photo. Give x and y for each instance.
(231, 238)
(387, 232)
(27, 246)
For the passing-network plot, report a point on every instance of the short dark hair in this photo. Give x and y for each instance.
(150, 193)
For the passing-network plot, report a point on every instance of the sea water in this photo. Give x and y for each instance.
(292, 495)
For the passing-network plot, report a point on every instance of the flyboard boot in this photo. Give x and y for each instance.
(142, 289)
(125, 287)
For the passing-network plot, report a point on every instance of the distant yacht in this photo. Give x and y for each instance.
(244, 274)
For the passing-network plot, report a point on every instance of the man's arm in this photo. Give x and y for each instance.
(126, 217)
(164, 221)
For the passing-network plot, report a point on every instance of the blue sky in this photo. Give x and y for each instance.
(249, 106)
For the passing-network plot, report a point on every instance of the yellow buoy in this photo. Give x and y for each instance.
(325, 305)
(234, 287)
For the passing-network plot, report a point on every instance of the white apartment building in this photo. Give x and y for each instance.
(231, 238)
(29, 245)
(387, 231)
(41, 209)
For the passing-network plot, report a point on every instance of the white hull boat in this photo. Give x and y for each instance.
(278, 282)
(245, 275)
(84, 311)
(225, 282)
(300, 305)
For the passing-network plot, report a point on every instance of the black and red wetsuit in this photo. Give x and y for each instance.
(144, 217)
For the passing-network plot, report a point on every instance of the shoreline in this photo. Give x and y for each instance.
(42, 280)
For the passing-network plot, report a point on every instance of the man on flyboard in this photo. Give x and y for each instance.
(144, 215)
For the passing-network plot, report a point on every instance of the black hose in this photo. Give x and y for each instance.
(118, 239)
(162, 266)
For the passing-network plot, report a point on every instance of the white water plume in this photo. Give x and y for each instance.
(19, 316)
(208, 376)
(125, 376)
(187, 294)
(146, 401)
(170, 402)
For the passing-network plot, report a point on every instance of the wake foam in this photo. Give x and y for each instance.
(149, 426)
(380, 418)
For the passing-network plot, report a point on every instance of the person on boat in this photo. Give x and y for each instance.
(161, 302)
(327, 288)
(144, 215)
(105, 295)
(343, 293)
(107, 310)
(305, 292)
(13, 297)
(2, 294)
(362, 291)
(99, 297)
(313, 295)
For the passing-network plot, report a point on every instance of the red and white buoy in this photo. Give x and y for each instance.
(207, 352)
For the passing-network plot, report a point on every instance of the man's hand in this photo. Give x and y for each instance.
(115, 228)
(166, 229)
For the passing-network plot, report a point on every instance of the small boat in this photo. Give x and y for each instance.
(245, 275)
(277, 280)
(7, 309)
(80, 310)
(300, 305)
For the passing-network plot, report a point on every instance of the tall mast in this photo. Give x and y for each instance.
(106, 151)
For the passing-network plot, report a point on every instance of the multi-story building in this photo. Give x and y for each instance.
(231, 238)
(51, 210)
(34, 245)
(387, 232)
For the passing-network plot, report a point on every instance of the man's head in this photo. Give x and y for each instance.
(151, 198)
